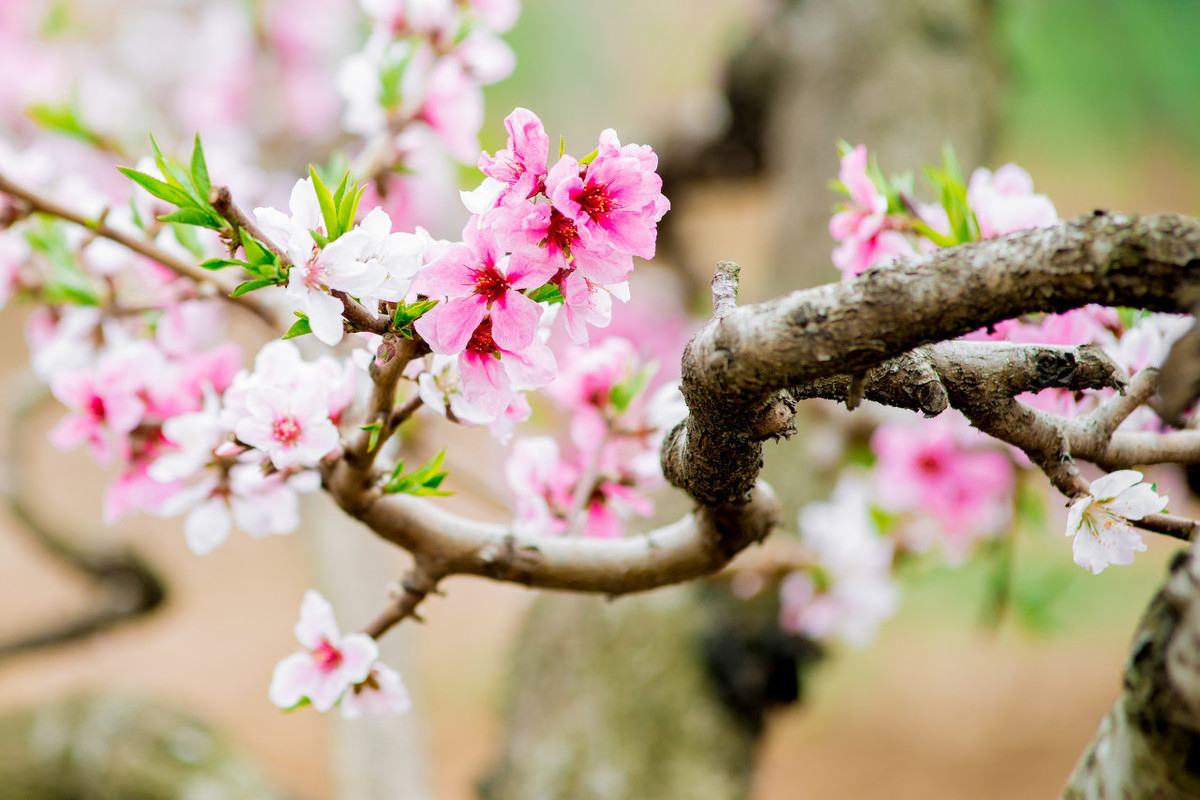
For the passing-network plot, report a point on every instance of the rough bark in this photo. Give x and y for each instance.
(105, 746)
(1149, 744)
(659, 695)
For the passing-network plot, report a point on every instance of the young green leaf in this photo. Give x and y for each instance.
(375, 429)
(257, 253)
(163, 191)
(221, 263)
(422, 482)
(186, 236)
(623, 392)
(201, 217)
(547, 293)
(200, 170)
(299, 328)
(250, 286)
(325, 201)
(406, 313)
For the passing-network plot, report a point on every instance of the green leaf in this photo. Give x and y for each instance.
(186, 236)
(54, 293)
(221, 263)
(257, 253)
(547, 293)
(163, 191)
(66, 283)
(301, 703)
(375, 429)
(201, 217)
(62, 118)
(176, 175)
(406, 314)
(590, 157)
(940, 239)
(299, 327)
(200, 170)
(250, 286)
(337, 164)
(325, 201)
(623, 392)
(348, 207)
(421, 482)
(562, 146)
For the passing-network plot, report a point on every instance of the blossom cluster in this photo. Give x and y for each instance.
(848, 589)
(567, 234)
(882, 222)
(616, 429)
(336, 670)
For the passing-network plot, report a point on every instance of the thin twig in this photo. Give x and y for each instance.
(138, 245)
(222, 202)
(421, 581)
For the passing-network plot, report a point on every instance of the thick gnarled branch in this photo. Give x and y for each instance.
(736, 364)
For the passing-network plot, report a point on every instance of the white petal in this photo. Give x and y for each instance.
(1136, 502)
(1114, 483)
(207, 526)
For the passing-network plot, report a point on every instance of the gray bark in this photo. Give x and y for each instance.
(1149, 744)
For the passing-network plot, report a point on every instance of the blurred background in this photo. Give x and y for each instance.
(1099, 100)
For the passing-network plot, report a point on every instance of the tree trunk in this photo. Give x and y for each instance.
(659, 695)
(1149, 744)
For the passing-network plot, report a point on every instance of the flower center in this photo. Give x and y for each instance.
(561, 232)
(481, 340)
(929, 464)
(327, 656)
(596, 200)
(287, 430)
(490, 283)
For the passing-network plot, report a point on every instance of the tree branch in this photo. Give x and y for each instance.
(141, 246)
(735, 365)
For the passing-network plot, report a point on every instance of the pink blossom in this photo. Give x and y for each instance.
(944, 472)
(477, 280)
(331, 663)
(293, 428)
(862, 227)
(107, 403)
(586, 303)
(855, 255)
(490, 373)
(849, 589)
(589, 376)
(135, 490)
(864, 216)
(521, 166)
(542, 238)
(453, 108)
(380, 694)
(261, 505)
(616, 199)
(1004, 202)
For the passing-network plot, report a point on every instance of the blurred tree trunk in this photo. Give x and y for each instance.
(1149, 744)
(660, 695)
(381, 758)
(663, 696)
